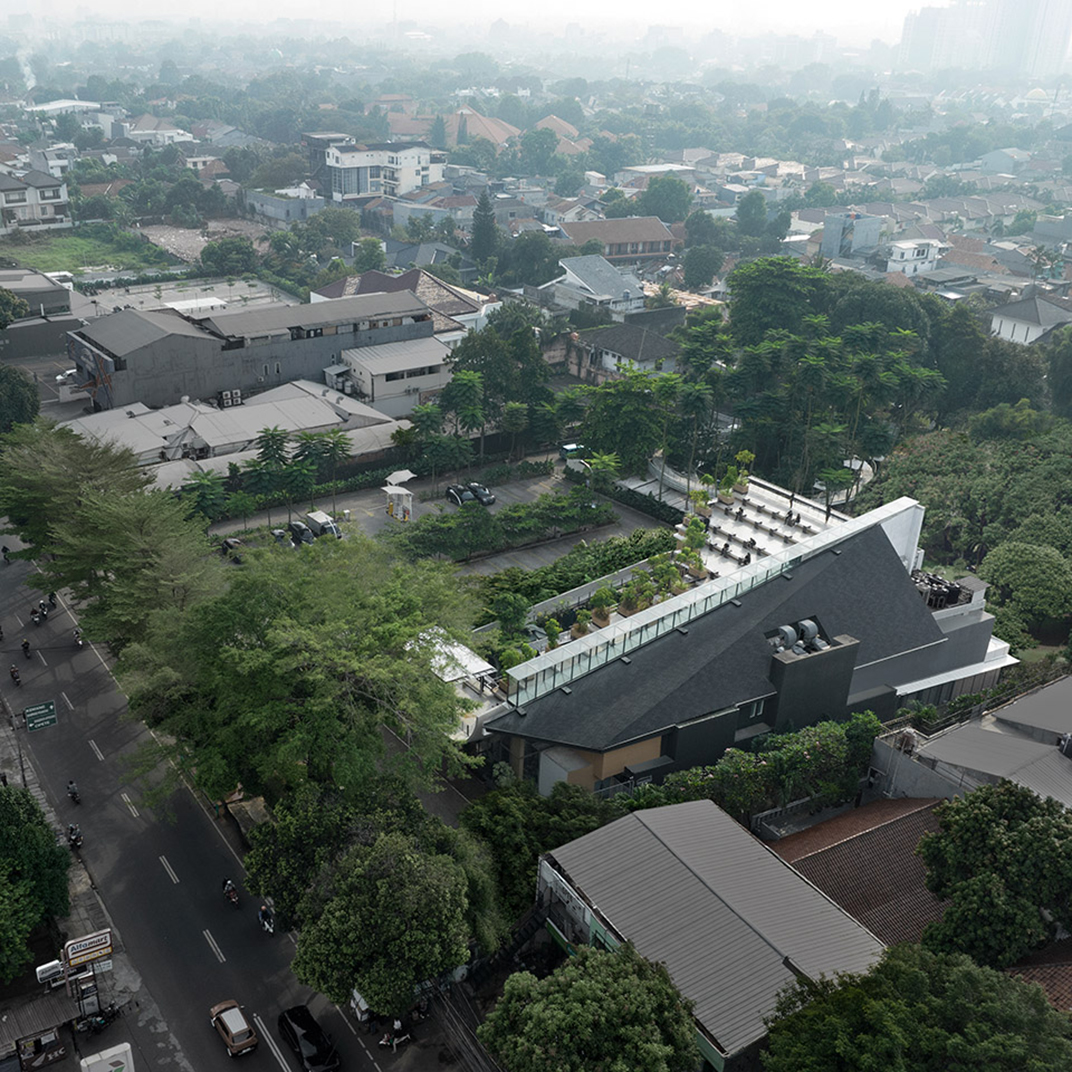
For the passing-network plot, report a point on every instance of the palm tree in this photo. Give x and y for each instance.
(335, 447)
(272, 447)
(515, 419)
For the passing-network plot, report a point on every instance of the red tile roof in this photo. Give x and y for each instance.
(864, 860)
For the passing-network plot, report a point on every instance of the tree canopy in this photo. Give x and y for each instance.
(19, 401)
(1003, 857)
(33, 877)
(918, 1011)
(601, 1011)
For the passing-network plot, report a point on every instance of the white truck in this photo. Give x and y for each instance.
(322, 524)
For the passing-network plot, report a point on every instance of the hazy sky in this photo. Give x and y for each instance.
(852, 22)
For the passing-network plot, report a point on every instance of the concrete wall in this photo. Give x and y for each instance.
(284, 208)
(162, 373)
(37, 336)
(902, 776)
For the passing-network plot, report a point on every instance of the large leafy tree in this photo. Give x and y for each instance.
(289, 673)
(1003, 856)
(128, 558)
(390, 916)
(518, 825)
(917, 1011)
(19, 401)
(601, 1011)
(46, 472)
(11, 307)
(33, 877)
(622, 418)
(1035, 581)
(774, 292)
(666, 197)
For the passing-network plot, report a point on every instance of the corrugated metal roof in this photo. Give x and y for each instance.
(989, 751)
(275, 319)
(129, 330)
(694, 890)
(398, 356)
(1048, 709)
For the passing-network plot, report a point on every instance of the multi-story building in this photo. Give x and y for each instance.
(35, 200)
(347, 169)
(633, 238)
(159, 358)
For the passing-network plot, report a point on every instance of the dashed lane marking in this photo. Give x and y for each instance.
(213, 946)
(170, 870)
(96, 751)
(129, 803)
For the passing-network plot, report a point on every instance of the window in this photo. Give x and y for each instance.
(49, 195)
(278, 368)
(16, 198)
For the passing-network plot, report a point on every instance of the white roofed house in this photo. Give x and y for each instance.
(593, 282)
(1030, 318)
(396, 377)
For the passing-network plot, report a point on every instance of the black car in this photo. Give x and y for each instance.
(307, 1039)
(300, 533)
(459, 494)
(481, 493)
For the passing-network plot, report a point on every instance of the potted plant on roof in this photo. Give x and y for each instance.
(603, 599)
(580, 626)
(553, 631)
(699, 497)
(744, 460)
(628, 600)
(725, 488)
(694, 564)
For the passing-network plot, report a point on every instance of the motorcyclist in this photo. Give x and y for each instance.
(74, 835)
(25, 647)
(14, 672)
(72, 789)
(264, 915)
(51, 599)
(78, 637)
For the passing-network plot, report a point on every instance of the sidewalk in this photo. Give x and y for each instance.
(40, 1011)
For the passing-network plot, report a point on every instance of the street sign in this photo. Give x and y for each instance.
(92, 947)
(41, 715)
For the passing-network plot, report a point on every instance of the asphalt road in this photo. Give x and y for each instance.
(159, 876)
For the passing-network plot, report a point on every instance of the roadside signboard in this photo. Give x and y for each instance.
(92, 947)
(41, 715)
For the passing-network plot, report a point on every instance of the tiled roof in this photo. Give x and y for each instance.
(559, 126)
(864, 860)
(626, 229)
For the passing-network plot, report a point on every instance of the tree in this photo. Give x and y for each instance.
(207, 492)
(915, 1011)
(751, 214)
(517, 825)
(601, 1011)
(622, 419)
(537, 151)
(369, 256)
(666, 197)
(19, 401)
(485, 232)
(286, 675)
(774, 292)
(12, 307)
(989, 850)
(701, 264)
(392, 917)
(515, 419)
(437, 136)
(234, 255)
(33, 877)
(1036, 582)
(701, 229)
(46, 471)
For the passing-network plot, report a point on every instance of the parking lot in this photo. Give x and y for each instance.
(368, 514)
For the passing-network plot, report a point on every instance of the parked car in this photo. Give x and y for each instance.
(70, 374)
(459, 494)
(234, 1028)
(482, 494)
(312, 1046)
(300, 533)
(568, 450)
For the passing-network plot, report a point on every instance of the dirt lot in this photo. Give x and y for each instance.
(187, 244)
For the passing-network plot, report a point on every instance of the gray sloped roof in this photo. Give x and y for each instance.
(601, 277)
(276, 319)
(724, 659)
(694, 890)
(1050, 708)
(1046, 312)
(631, 342)
(130, 329)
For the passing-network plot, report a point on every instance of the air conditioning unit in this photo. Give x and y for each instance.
(236, 396)
(226, 394)
(227, 403)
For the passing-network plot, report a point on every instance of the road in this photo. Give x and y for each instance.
(158, 875)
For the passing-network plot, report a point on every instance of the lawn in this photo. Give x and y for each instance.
(75, 251)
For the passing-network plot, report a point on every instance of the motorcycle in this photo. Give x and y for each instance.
(35, 616)
(397, 1036)
(230, 892)
(98, 1022)
(52, 599)
(26, 648)
(267, 919)
(74, 836)
(15, 676)
(78, 638)
(72, 792)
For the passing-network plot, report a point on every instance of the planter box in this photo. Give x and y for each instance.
(703, 511)
(698, 572)
(575, 631)
(741, 489)
(601, 620)
(726, 497)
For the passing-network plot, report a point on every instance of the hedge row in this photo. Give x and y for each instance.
(645, 503)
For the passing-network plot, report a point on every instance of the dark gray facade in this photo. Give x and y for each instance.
(160, 358)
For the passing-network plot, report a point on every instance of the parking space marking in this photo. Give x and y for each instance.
(96, 751)
(212, 945)
(129, 803)
(276, 1052)
(170, 870)
(66, 700)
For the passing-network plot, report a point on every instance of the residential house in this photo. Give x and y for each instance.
(594, 283)
(601, 354)
(733, 924)
(910, 257)
(159, 357)
(54, 159)
(674, 685)
(1030, 318)
(849, 233)
(463, 126)
(422, 254)
(631, 239)
(36, 200)
(562, 128)
(1005, 161)
(646, 172)
(151, 130)
(295, 203)
(560, 210)
(356, 170)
